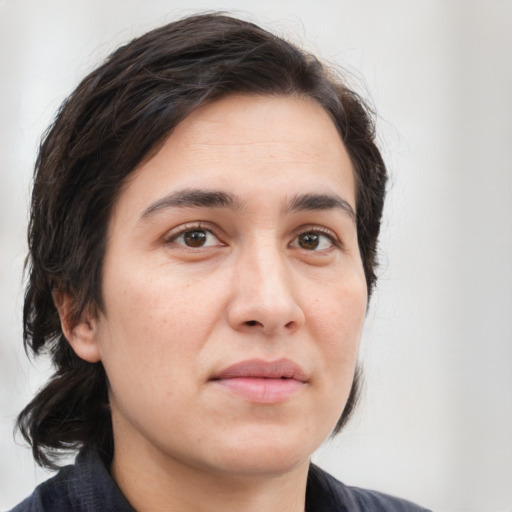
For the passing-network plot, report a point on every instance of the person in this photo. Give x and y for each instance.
(202, 249)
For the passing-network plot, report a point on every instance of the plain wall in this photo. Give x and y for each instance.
(435, 422)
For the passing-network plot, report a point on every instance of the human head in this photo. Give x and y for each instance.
(115, 120)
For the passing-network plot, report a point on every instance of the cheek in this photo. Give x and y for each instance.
(149, 344)
(337, 320)
(153, 322)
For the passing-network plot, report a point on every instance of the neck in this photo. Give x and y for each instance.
(152, 481)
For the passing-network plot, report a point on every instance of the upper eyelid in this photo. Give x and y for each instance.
(188, 226)
(336, 240)
(312, 228)
(172, 236)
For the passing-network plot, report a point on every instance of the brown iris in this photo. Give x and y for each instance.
(195, 238)
(309, 241)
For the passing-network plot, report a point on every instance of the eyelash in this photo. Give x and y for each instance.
(173, 236)
(182, 230)
(333, 239)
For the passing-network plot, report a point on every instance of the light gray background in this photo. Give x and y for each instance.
(435, 424)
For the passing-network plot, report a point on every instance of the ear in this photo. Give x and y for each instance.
(82, 335)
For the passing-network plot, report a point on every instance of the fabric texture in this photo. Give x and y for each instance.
(87, 486)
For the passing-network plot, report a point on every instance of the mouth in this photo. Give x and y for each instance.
(263, 382)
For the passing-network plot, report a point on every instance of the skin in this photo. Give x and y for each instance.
(176, 315)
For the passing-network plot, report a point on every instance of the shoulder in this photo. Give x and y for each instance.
(325, 493)
(85, 486)
(53, 494)
(380, 501)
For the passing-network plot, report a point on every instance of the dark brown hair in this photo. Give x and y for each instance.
(117, 116)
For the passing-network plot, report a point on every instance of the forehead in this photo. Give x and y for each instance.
(268, 145)
(270, 127)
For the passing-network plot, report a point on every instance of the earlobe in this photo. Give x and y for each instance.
(81, 333)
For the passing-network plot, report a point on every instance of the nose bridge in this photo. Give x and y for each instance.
(265, 296)
(265, 262)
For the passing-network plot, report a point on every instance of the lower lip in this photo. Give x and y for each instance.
(261, 390)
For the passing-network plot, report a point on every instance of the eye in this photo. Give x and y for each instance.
(314, 241)
(195, 238)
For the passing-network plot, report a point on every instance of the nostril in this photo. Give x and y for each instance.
(252, 323)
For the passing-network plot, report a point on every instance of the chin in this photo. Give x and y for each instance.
(262, 465)
(272, 452)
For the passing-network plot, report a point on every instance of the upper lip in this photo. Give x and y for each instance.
(258, 368)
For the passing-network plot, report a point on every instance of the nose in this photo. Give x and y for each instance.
(264, 298)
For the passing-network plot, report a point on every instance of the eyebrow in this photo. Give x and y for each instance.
(306, 202)
(193, 198)
(198, 198)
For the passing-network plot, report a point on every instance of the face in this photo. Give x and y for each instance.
(234, 290)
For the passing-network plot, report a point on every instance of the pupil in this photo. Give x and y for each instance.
(309, 240)
(195, 238)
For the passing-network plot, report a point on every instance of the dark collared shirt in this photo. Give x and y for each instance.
(87, 486)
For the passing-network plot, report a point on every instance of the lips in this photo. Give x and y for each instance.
(263, 382)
